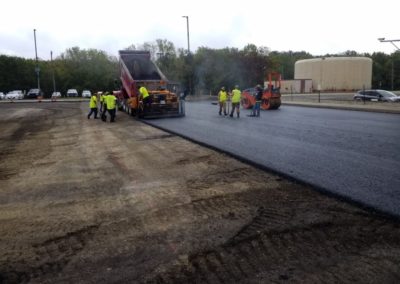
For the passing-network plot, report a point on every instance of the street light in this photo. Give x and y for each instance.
(382, 39)
(37, 69)
(187, 28)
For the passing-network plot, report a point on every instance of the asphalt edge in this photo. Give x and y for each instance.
(344, 107)
(371, 209)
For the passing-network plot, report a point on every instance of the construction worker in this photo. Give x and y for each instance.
(102, 97)
(104, 107)
(111, 106)
(236, 96)
(222, 97)
(93, 106)
(144, 97)
(257, 105)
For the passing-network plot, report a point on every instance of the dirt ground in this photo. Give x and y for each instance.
(82, 201)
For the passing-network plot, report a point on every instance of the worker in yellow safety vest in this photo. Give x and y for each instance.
(102, 101)
(222, 97)
(144, 97)
(93, 106)
(111, 106)
(103, 109)
(236, 96)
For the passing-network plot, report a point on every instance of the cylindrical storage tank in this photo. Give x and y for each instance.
(336, 73)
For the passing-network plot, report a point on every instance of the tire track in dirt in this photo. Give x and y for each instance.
(287, 255)
(51, 256)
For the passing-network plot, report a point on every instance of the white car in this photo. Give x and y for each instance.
(56, 95)
(15, 95)
(72, 93)
(86, 94)
(34, 94)
(2, 96)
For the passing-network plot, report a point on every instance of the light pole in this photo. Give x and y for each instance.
(37, 69)
(188, 54)
(54, 80)
(187, 29)
(382, 39)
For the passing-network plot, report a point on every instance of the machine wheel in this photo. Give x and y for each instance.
(132, 111)
(265, 104)
(245, 103)
(275, 103)
(140, 113)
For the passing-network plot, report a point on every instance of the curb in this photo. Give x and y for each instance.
(343, 107)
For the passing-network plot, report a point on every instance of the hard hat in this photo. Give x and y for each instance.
(237, 86)
(223, 88)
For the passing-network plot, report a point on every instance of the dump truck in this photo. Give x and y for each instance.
(271, 98)
(137, 70)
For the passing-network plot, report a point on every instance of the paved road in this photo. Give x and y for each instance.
(349, 153)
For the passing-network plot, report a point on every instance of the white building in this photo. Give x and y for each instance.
(336, 73)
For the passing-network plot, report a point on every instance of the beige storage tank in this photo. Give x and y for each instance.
(336, 73)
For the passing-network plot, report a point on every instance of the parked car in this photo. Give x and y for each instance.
(56, 95)
(2, 96)
(15, 95)
(376, 95)
(72, 93)
(86, 94)
(34, 93)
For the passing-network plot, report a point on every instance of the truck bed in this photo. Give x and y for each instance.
(140, 67)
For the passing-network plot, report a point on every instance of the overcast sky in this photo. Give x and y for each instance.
(315, 26)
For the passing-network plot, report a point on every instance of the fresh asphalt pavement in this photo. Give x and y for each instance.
(351, 154)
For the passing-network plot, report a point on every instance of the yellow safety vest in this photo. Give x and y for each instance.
(236, 96)
(111, 101)
(103, 98)
(222, 96)
(93, 102)
(144, 92)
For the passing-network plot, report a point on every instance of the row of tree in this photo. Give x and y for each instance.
(202, 72)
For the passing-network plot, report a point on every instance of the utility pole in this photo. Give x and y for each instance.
(54, 80)
(37, 69)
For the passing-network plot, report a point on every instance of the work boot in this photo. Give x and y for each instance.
(220, 113)
(231, 115)
(238, 115)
